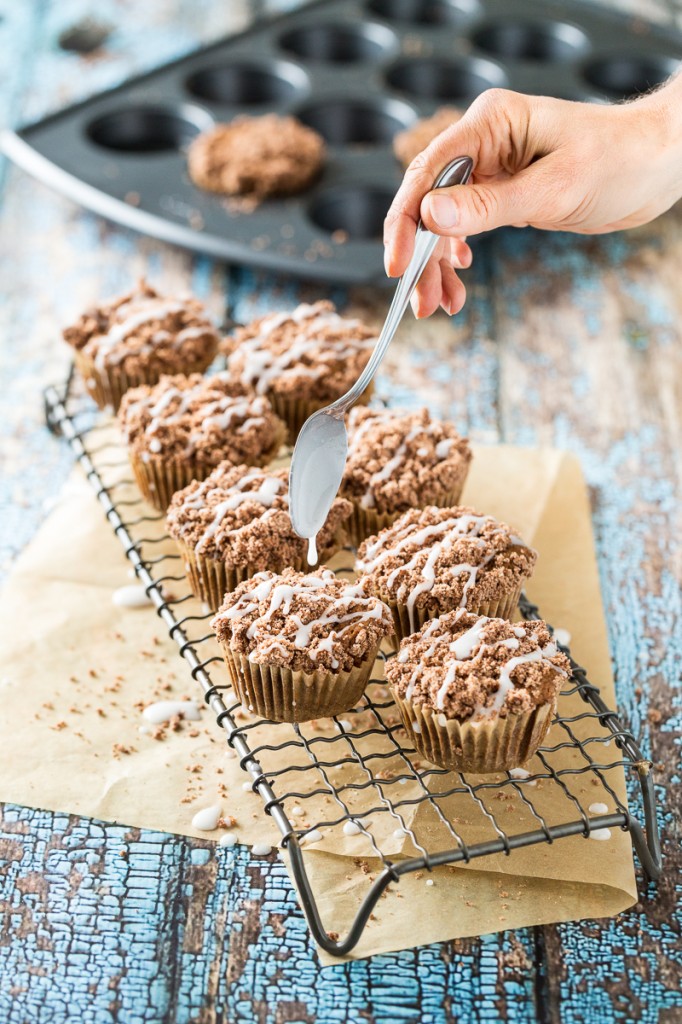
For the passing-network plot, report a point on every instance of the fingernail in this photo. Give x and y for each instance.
(443, 210)
(387, 260)
(414, 302)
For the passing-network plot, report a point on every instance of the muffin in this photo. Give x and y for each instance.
(236, 523)
(300, 646)
(257, 157)
(183, 427)
(434, 560)
(397, 461)
(477, 694)
(301, 360)
(410, 142)
(136, 338)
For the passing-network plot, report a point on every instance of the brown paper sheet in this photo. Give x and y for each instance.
(80, 671)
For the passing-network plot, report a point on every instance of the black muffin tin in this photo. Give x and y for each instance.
(357, 72)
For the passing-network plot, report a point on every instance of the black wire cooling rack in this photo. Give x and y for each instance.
(367, 756)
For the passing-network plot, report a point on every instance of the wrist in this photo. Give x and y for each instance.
(661, 114)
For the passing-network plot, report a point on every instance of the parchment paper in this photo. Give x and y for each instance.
(79, 671)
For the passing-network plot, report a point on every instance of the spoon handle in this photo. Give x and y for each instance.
(457, 172)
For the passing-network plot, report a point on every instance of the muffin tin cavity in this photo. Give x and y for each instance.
(248, 83)
(623, 76)
(148, 129)
(456, 80)
(426, 12)
(356, 211)
(352, 122)
(339, 43)
(531, 40)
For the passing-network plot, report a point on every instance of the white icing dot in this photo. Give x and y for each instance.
(164, 710)
(143, 729)
(598, 808)
(351, 828)
(206, 820)
(399, 833)
(601, 834)
(247, 786)
(429, 881)
(131, 596)
(562, 636)
(522, 773)
(313, 836)
(230, 753)
(416, 726)
(229, 839)
(297, 811)
(344, 725)
(261, 849)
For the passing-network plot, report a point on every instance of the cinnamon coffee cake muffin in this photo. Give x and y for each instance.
(476, 693)
(136, 338)
(236, 523)
(299, 645)
(434, 560)
(397, 461)
(410, 142)
(301, 360)
(256, 156)
(183, 427)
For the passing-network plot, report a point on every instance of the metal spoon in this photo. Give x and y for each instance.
(322, 446)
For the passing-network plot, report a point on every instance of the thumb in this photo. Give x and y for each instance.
(471, 209)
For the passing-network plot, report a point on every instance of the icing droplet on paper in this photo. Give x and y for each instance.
(601, 834)
(164, 710)
(261, 849)
(131, 596)
(227, 840)
(562, 636)
(206, 820)
(598, 808)
(351, 828)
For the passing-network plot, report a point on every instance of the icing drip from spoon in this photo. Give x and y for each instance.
(312, 550)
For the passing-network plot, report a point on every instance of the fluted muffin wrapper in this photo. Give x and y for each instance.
(295, 411)
(489, 745)
(282, 695)
(159, 477)
(366, 522)
(108, 385)
(502, 608)
(210, 579)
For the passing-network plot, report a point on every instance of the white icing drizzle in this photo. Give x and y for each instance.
(206, 820)
(312, 550)
(264, 493)
(436, 539)
(562, 636)
(132, 596)
(281, 595)
(261, 366)
(163, 710)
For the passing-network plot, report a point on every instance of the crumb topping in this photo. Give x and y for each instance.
(410, 142)
(256, 157)
(398, 461)
(310, 351)
(240, 515)
(302, 621)
(207, 418)
(472, 667)
(144, 329)
(442, 558)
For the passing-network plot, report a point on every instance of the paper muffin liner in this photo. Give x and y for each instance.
(283, 695)
(211, 579)
(492, 745)
(366, 522)
(159, 477)
(108, 386)
(295, 411)
(503, 608)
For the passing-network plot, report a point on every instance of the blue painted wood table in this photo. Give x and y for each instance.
(567, 341)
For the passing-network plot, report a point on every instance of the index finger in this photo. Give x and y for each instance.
(402, 218)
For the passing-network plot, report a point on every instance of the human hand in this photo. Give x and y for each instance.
(551, 164)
